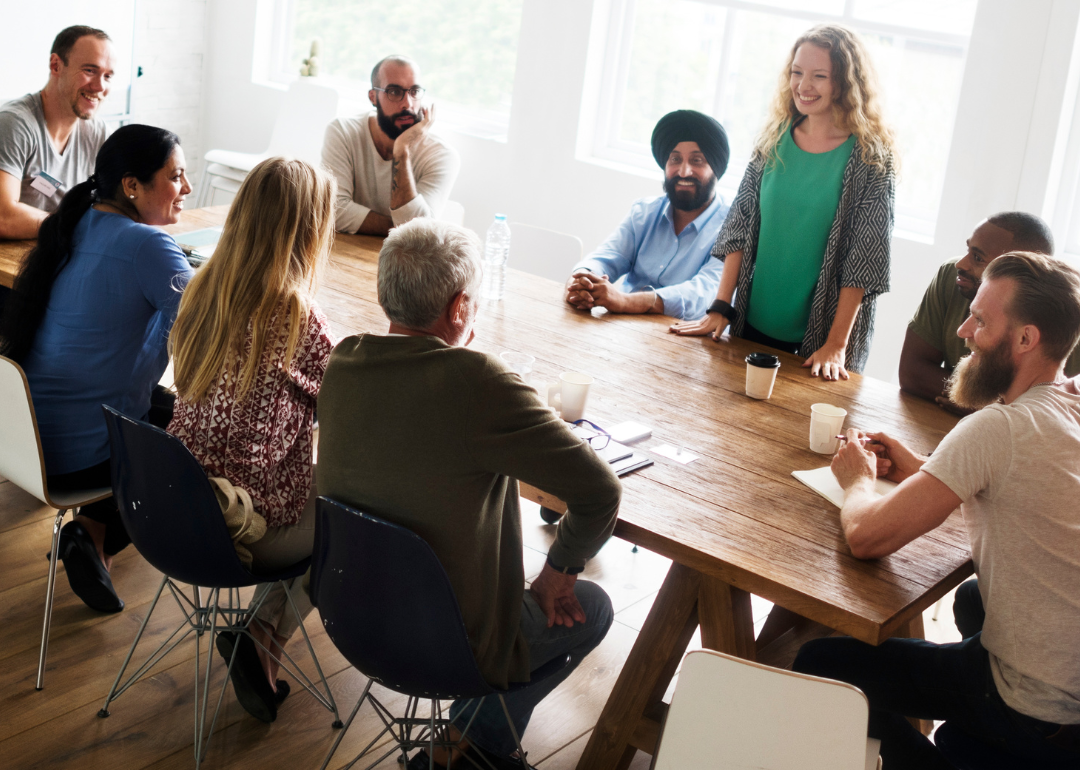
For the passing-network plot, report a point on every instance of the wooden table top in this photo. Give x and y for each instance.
(736, 513)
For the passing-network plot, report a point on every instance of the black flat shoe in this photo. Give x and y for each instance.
(248, 679)
(282, 692)
(87, 575)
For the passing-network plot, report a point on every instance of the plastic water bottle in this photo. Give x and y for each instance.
(496, 251)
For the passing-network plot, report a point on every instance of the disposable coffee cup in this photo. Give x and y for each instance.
(569, 394)
(826, 422)
(761, 374)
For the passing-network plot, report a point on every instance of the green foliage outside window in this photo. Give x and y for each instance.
(466, 49)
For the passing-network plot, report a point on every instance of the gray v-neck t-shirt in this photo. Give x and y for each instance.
(26, 150)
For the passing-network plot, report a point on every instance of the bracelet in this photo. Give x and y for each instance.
(724, 309)
(564, 570)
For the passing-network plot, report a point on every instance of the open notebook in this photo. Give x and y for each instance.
(825, 484)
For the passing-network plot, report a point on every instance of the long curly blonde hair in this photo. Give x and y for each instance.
(855, 105)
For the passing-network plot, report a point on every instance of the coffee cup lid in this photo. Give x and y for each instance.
(763, 360)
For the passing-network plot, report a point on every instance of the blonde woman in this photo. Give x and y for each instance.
(249, 351)
(806, 243)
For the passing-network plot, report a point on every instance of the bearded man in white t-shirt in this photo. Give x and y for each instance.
(389, 167)
(1012, 687)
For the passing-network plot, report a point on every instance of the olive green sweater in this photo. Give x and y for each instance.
(434, 437)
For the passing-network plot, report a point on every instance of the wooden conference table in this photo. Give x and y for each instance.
(734, 522)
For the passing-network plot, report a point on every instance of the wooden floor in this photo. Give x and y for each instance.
(152, 725)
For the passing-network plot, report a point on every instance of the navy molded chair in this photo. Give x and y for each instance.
(173, 517)
(388, 606)
(969, 753)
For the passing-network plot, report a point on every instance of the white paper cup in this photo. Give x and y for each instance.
(520, 363)
(569, 394)
(761, 371)
(826, 422)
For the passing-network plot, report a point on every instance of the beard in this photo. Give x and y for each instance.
(386, 122)
(968, 294)
(685, 200)
(976, 382)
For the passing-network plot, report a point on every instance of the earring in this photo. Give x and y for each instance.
(132, 197)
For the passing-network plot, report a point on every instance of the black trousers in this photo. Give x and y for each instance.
(950, 682)
(105, 511)
(753, 335)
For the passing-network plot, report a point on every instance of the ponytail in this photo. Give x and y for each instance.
(25, 307)
(131, 151)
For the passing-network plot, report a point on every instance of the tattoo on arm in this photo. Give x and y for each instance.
(394, 174)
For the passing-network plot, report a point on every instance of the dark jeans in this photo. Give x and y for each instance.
(489, 729)
(753, 335)
(105, 511)
(952, 682)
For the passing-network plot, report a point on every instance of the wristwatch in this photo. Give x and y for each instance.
(564, 570)
(724, 309)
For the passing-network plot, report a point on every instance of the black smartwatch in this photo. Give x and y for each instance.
(724, 309)
(564, 570)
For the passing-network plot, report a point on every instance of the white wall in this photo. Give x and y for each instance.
(1005, 141)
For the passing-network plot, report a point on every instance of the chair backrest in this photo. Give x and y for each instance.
(453, 212)
(732, 713)
(21, 459)
(301, 123)
(388, 606)
(169, 507)
(543, 252)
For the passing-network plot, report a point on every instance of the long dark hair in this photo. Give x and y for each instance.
(135, 150)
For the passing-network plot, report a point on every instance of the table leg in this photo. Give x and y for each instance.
(646, 674)
(726, 618)
(913, 629)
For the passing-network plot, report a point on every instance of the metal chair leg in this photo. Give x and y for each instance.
(104, 712)
(49, 594)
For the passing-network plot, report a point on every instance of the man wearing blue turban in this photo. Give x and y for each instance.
(658, 260)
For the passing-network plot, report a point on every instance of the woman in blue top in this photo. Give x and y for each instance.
(89, 320)
(807, 240)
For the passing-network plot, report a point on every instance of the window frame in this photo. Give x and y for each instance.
(608, 147)
(480, 123)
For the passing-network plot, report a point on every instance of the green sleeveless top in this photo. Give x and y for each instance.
(799, 196)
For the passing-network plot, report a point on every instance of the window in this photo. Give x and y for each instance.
(466, 49)
(723, 57)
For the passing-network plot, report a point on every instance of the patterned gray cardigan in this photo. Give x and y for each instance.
(856, 254)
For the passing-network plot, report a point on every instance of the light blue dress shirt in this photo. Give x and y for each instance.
(104, 336)
(645, 254)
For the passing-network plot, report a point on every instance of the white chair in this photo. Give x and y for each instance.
(23, 464)
(543, 252)
(305, 111)
(454, 213)
(732, 713)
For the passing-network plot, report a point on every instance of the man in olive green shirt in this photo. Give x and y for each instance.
(932, 347)
(419, 430)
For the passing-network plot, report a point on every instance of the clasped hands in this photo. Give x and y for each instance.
(586, 290)
(882, 456)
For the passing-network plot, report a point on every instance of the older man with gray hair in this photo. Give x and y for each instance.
(421, 431)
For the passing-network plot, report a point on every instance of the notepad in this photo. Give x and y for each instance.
(825, 484)
(199, 245)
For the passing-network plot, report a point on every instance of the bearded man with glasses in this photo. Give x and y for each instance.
(390, 168)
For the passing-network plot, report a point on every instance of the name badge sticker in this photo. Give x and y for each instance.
(45, 184)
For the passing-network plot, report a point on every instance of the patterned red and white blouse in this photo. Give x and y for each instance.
(263, 443)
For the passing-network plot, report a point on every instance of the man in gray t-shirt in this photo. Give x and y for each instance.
(49, 140)
(1013, 468)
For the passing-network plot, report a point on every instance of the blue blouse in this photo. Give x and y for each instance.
(104, 336)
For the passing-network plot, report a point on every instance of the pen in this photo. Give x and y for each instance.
(862, 440)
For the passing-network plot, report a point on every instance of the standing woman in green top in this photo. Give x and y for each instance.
(806, 242)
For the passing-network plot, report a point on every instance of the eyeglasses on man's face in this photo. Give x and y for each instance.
(397, 93)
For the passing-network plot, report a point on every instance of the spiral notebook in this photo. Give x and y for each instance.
(825, 484)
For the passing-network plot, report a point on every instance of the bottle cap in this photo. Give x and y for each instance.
(500, 217)
(763, 360)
